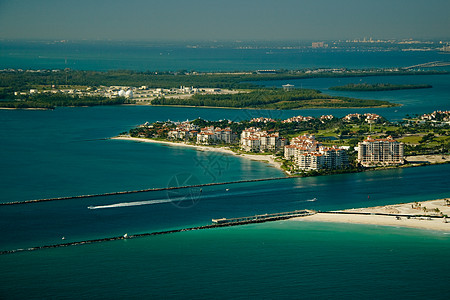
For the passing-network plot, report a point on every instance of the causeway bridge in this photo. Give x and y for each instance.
(431, 64)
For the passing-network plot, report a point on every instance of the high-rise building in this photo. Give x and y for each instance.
(373, 152)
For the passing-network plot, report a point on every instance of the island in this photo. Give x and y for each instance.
(59, 99)
(310, 146)
(378, 87)
(52, 88)
(273, 99)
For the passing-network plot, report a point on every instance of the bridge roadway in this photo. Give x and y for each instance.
(429, 65)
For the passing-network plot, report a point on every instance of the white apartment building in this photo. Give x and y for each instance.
(257, 140)
(387, 151)
(324, 158)
(211, 135)
(298, 119)
(301, 144)
(309, 154)
(183, 131)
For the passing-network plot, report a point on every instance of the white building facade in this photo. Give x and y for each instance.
(257, 140)
(214, 135)
(373, 152)
(183, 131)
(309, 154)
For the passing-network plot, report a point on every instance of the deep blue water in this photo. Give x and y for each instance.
(63, 152)
(112, 56)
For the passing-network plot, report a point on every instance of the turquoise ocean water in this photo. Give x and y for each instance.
(281, 260)
(63, 152)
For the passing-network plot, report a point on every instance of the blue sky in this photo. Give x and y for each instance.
(223, 20)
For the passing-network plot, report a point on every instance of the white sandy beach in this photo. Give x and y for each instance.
(404, 209)
(270, 159)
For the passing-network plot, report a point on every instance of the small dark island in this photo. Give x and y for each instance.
(366, 87)
(51, 101)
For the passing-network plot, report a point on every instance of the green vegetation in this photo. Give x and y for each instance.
(418, 138)
(50, 101)
(366, 87)
(15, 81)
(23, 81)
(273, 99)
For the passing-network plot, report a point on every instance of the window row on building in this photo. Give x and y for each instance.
(387, 151)
(308, 154)
(257, 140)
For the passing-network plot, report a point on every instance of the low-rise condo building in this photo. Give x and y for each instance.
(298, 119)
(309, 154)
(257, 140)
(368, 118)
(183, 131)
(299, 145)
(214, 135)
(262, 120)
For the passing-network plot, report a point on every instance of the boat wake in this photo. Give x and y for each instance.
(128, 204)
(187, 197)
(308, 200)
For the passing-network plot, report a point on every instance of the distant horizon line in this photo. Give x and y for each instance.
(216, 41)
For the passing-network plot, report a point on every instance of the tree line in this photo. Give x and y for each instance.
(14, 81)
(366, 87)
(271, 99)
(50, 101)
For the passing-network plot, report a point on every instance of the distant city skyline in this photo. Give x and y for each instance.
(264, 20)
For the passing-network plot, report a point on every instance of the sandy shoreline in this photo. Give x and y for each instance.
(269, 159)
(410, 209)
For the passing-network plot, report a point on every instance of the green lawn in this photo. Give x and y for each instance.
(413, 139)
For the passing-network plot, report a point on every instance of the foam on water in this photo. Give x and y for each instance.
(128, 204)
(202, 196)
